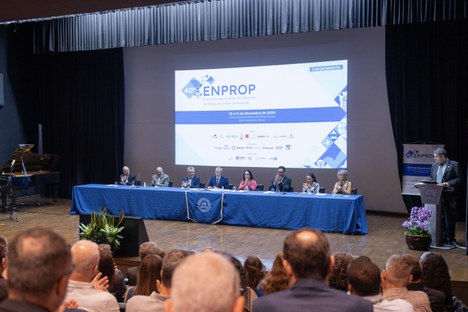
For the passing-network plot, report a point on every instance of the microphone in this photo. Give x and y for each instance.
(138, 179)
(13, 162)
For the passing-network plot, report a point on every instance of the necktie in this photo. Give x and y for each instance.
(217, 181)
(440, 173)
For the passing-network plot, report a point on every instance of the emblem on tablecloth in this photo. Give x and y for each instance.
(204, 204)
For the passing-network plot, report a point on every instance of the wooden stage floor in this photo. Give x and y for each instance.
(384, 239)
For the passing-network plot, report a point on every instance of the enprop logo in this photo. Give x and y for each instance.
(206, 87)
(417, 154)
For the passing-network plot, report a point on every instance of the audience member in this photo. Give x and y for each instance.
(160, 178)
(248, 183)
(281, 183)
(276, 279)
(311, 185)
(435, 275)
(191, 180)
(148, 275)
(255, 272)
(127, 178)
(338, 278)
(218, 180)
(39, 265)
(85, 258)
(364, 280)
(308, 262)
(145, 249)
(3, 265)
(436, 297)
(108, 268)
(155, 301)
(395, 279)
(205, 282)
(343, 186)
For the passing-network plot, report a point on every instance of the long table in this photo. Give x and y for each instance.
(330, 213)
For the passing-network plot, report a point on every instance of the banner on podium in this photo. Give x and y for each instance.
(417, 162)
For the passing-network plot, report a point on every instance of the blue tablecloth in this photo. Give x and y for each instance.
(330, 213)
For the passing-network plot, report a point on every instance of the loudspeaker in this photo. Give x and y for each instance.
(2, 92)
(134, 233)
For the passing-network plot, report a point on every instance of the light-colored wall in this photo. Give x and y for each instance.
(372, 159)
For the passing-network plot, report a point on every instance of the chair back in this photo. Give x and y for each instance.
(354, 191)
(322, 189)
(171, 183)
(260, 187)
(202, 185)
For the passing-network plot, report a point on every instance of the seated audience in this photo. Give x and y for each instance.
(343, 186)
(3, 265)
(218, 180)
(435, 275)
(191, 180)
(364, 280)
(276, 279)
(85, 258)
(395, 278)
(436, 298)
(145, 249)
(205, 282)
(248, 183)
(338, 278)
(308, 262)
(160, 178)
(280, 183)
(39, 265)
(127, 178)
(155, 301)
(149, 273)
(311, 185)
(255, 272)
(108, 268)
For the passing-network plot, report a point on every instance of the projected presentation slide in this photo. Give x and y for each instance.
(267, 116)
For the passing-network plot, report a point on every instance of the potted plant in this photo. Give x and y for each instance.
(102, 229)
(417, 233)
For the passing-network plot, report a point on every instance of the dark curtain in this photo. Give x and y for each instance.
(427, 81)
(78, 97)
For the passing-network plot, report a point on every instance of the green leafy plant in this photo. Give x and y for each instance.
(102, 229)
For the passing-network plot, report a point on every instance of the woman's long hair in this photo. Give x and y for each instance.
(150, 271)
(255, 271)
(277, 278)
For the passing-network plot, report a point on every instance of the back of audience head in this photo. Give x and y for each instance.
(3, 253)
(106, 261)
(239, 268)
(149, 273)
(435, 274)
(307, 254)
(205, 282)
(255, 271)
(277, 278)
(397, 272)
(148, 248)
(364, 277)
(416, 271)
(85, 258)
(39, 267)
(338, 277)
(169, 264)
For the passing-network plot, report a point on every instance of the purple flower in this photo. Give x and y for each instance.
(418, 222)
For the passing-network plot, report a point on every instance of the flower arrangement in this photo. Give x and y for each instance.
(418, 222)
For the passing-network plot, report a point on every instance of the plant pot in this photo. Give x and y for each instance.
(417, 242)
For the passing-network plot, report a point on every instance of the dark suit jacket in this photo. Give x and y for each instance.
(436, 297)
(311, 295)
(223, 182)
(453, 176)
(283, 186)
(195, 181)
(131, 179)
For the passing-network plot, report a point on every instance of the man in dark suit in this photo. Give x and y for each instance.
(281, 183)
(191, 180)
(308, 262)
(218, 180)
(127, 178)
(449, 174)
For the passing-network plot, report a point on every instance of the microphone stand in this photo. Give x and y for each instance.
(12, 204)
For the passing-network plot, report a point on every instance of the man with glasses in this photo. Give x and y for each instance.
(281, 183)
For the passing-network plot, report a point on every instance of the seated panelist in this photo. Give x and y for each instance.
(343, 186)
(160, 178)
(191, 180)
(127, 178)
(310, 185)
(218, 180)
(248, 183)
(280, 183)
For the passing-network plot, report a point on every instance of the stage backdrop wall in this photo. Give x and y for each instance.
(372, 159)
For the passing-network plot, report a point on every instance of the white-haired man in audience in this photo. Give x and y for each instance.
(146, 248)
(3, 265)
(364, 280)
(85, 258)
(39, 265)
(395, 278)
(155, 301)
(205, 282)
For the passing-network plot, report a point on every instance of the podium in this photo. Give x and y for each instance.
(430, 197)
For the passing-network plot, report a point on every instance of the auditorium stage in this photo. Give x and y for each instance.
(384, 239)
